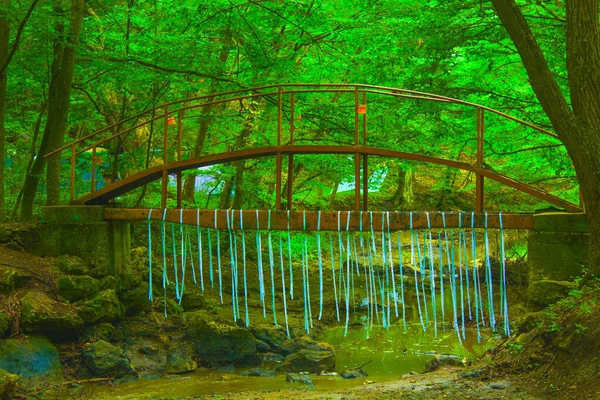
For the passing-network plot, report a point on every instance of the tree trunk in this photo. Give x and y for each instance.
(579, 127)
(4, 41)
(57, 112)
(57, 128)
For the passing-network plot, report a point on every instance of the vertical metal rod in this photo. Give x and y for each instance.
(365, 158)
(278, 166)
(179, 173)
(357, 154)
(166, 136)
(93, 169)
(479, 180)
(365, 182)
(291, 156)
(72, 192)
(165, 175)
(163, 195)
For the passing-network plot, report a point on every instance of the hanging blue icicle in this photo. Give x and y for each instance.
(231, 264)
(335, 297)
(466, 262)
(165, 280)
(183, 257)
(401, 277)
(150, 257)
(210, 261)
(460, 274)
(432, 275)
(476, 290)
(421, 261)
(391, 263)
(261, 281)
(289, 244)
(384, 264)
(244, 269)
(304, 283)
(236, 267)
(414, 266)
(174, 261)
(219, 260)
(199, 240)
(285, 313)
(320, 265)
(348, 268)
(504, 287)
(341, 279)
(490, 288)
(441, 261)
(271, 268)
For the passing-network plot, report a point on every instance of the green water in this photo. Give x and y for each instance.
(394, 353)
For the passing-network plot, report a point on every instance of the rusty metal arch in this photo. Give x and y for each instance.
(115, 189)
(275, 94)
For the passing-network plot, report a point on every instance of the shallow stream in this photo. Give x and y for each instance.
(394, 353)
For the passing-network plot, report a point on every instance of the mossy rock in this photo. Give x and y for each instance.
(108, 282)
(104, 307)
(8, 384)
(6, 323)
(218, 341)
(102, 358)
(313, 361)
(100, 331)
(74, 288)
(34, 357)
(72, 265)
(12, 278)
(135, 299)
(193, 300)
(294, 345)
(180, 359)
(138, 261)
(41, 314)
(271, 336)
(546, 292)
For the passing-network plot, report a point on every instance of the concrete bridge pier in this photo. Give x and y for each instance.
(557, 254)
(82, 231)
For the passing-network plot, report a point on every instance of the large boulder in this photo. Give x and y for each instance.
(546, 292)
(12, 278)
(74, 288)
(102, 358)
(34, 358)
(41, 314)
(312, 361)
(219, 342)
(269, 335)
(104, 307)
(8, 384)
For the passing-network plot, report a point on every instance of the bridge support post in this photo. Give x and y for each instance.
(557, 253)
(82, 231)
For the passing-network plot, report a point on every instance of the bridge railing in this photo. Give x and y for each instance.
(167, 122)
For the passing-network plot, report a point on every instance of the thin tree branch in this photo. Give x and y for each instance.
(15, 45)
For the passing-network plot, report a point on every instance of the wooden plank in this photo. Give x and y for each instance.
(329, 221)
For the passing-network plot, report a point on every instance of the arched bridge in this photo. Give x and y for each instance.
(164, 155)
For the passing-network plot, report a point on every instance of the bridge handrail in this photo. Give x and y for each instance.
(394, 92)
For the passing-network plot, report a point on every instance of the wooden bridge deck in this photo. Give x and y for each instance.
(329, 221)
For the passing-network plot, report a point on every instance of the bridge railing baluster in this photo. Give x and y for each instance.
(479, 181)
(290, 177)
